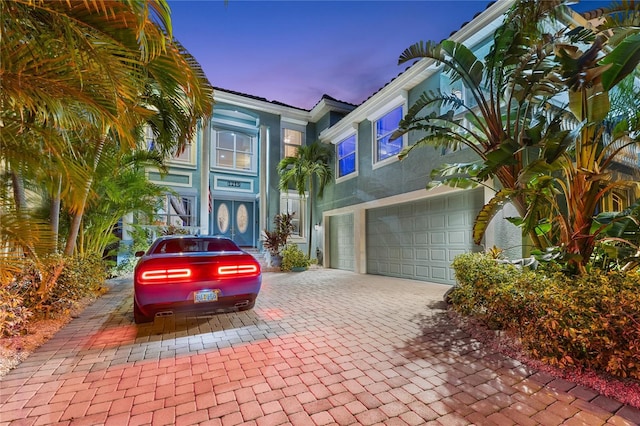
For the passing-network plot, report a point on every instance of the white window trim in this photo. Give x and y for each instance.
(191, 162)
(353, 174)
(405, 139)
(172, 172)
(254, 153)
(296, 129)
(303, 219)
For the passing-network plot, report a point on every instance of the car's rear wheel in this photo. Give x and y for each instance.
(138, 316)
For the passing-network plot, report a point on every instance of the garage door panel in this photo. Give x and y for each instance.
(438, 255)
(438, 238)
(422, 273)
(419, 240)
(408, 254)
(342, 240)
(456, 219)
(437, 222)
(422, 254)
(457, 237)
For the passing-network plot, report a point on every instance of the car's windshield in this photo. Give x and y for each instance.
(194, 245)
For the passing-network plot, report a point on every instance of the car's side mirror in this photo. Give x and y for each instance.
(139, 253)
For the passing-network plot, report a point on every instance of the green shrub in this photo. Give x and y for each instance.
(589, 322)
(13, 315)
(293, 257)
(80, 277)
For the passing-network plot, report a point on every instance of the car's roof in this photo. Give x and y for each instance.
(189, 236)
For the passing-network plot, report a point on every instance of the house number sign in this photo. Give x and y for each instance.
(234, 184)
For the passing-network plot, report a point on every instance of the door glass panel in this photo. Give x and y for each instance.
(223, 218)
(242, 218)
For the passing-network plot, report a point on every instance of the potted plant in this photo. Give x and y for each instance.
(274, 240)
(293, 259)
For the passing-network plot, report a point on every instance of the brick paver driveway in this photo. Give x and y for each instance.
(321, 347)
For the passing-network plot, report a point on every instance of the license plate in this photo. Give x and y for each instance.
(206, 296)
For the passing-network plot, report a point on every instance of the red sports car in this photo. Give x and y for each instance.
(195, 274)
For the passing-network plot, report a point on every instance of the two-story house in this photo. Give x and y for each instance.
(376, 217)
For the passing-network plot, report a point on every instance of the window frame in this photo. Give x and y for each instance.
(376, 163)
(213, 155)
(171, 213)
(300, 217)
(285, 145)
(354, 173)
(182, 160)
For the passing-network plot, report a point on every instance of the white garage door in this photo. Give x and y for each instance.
(419, 240)
(342, 250)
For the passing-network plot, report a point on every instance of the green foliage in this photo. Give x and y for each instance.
(13, 316)
(276, 239)
(79, 277)
(587, 322)
(309, 172)
(173, 230)
(552, 162)
(293, 257)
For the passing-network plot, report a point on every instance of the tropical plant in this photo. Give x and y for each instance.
(274, 240)
(309, 172)
(293, 257)
(75, 80)
(76, 84)
(513, 120)
(129, 191)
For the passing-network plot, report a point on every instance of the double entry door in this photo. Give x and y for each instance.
(234, 219)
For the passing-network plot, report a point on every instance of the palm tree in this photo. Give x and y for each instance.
(309, 172)
(515, 123)
(82, 80)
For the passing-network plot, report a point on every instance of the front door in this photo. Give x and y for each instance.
(234, 219)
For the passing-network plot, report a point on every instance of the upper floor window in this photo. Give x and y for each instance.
(233, 150)
(292, 141)
(385, 147)
(184, 156)
(346, 156)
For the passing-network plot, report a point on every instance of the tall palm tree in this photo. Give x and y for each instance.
(309, 172)
(86, 74)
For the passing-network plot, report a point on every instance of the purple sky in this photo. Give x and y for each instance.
(296, 51)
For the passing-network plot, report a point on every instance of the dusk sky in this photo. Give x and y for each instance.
(296, 51)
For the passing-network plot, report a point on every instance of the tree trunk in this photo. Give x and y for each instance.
(19, 196)
(54, 213)
(76, 220)
(310, 215)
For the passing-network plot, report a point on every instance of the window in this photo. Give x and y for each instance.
(292, 141)
(177, 211)
(291, 202)
(617, 204)
(385, 147)
(183, 157)
(233, 150)
(346, 154)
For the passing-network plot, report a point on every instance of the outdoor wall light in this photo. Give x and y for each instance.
(316, 226)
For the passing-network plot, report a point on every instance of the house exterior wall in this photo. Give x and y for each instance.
(353, 201)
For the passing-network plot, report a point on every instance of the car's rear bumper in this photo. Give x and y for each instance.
(223, 304)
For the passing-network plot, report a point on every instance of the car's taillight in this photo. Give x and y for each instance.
(164, 274)
(236, 270)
